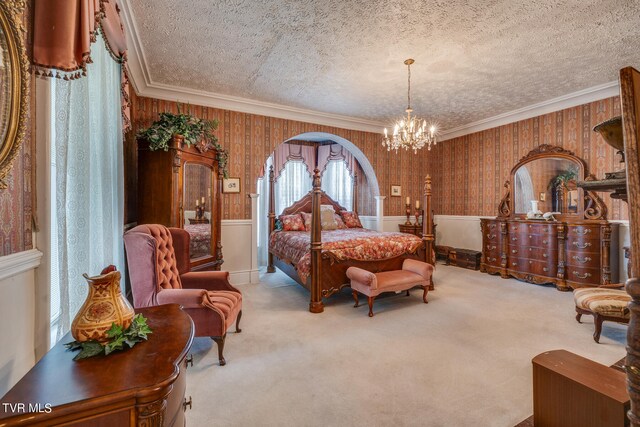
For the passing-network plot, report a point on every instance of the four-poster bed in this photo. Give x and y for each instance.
(322, 268)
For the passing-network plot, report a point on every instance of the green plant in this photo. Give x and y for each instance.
(563, 178)
(192, 129)
(118, 338)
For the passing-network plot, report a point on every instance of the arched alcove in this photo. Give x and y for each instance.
(353, 149)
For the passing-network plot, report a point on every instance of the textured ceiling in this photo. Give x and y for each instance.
(474, 59)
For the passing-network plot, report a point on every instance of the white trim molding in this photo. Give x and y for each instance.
(574, 99)
(17, 263)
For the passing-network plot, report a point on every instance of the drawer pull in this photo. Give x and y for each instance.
(582, 260)
(582, 276)
(581, 246)
(545, 269)
(187, 403)
(490, 236)
(513, 251)
(490, 248)
(545, 256)
(514, 239)
(583, 232)
(544, 242)
(530, 236)
(530, 262)
(513, 263)
(492, 260)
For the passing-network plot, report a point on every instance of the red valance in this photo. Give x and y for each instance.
(63, 31)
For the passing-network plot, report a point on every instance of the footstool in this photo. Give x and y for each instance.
(604, 304)
(413, 273)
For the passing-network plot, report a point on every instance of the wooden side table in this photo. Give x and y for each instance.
(411, 229)
(143, 385)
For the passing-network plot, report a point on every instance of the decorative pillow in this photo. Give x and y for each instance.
(351, 219)
(339, 221)
(327, 219)
(278, 225)
(306, 217)
(292, 222)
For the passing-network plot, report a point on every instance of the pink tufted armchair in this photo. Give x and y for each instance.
(159, 270)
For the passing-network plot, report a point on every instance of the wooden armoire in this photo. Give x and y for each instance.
(578, 247)
(182, 187)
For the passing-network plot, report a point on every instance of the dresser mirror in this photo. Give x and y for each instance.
(550, 182)
(14, 85)
(545, 180)
(198, 180)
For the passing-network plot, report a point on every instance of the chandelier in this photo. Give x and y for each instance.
(409, 133)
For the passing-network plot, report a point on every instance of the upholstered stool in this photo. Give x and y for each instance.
(604, 304)
(413, 273)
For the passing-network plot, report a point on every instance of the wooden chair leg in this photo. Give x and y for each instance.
(597, 320)
(424, 294)
(220, 342)
(238, 330)
(578, 315)
(408, 292)
(370, 300)
(355, 297)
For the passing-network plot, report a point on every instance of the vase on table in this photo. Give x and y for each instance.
(104, 306)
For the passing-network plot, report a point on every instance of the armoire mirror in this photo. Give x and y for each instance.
(198, 180)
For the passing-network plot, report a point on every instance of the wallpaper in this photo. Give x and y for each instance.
(251, 138)
(16, 201)
(469, 172)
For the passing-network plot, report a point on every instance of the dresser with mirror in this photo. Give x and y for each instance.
(572, 246)
(182, 187)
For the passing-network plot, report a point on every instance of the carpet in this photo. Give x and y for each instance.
(463, 359)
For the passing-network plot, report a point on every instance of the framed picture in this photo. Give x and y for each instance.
(396, 191)
(231, 185)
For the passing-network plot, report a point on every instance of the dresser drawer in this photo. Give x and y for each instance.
(536, 240)
(583, 259)
(534, 228)
(493, 258)
(590, 276)
(541, 268)
(582, 244)
(588, 231)
(535, 253)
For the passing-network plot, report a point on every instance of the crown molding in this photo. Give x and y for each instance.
(574, 99)
(142, 83)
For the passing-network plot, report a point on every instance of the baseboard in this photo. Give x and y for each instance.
(244, 277)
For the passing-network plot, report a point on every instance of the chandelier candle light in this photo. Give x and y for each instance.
(409, 133)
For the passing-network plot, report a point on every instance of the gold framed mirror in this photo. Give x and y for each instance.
(14, 84)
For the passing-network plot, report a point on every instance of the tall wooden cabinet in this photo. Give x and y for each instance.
(575, 248)
(172, 185)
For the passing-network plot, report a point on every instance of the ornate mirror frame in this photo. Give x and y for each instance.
(592, 208)
(11, 14)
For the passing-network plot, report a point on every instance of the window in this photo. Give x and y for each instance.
(338, 183)
(86, 183)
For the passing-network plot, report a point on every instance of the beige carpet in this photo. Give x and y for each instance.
(463, 359)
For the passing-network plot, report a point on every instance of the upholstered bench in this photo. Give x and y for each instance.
(413, 273)
(604, 304)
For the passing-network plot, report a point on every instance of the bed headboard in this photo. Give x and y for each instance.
(304, 204)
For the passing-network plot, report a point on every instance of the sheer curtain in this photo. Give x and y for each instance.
(337, 182)
(293, 183)
(88, 178)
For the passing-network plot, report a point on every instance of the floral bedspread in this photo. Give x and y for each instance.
(200, 239)
(352, 243)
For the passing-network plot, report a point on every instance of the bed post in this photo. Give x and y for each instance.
(355, 192)
(316, 305)
(427, 223)
(272, 216)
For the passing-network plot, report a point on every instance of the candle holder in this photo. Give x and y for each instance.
(417, 215)
(408, 221)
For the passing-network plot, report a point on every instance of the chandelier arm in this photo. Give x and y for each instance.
(408, 86)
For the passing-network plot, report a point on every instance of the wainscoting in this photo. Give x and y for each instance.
(17, 316)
